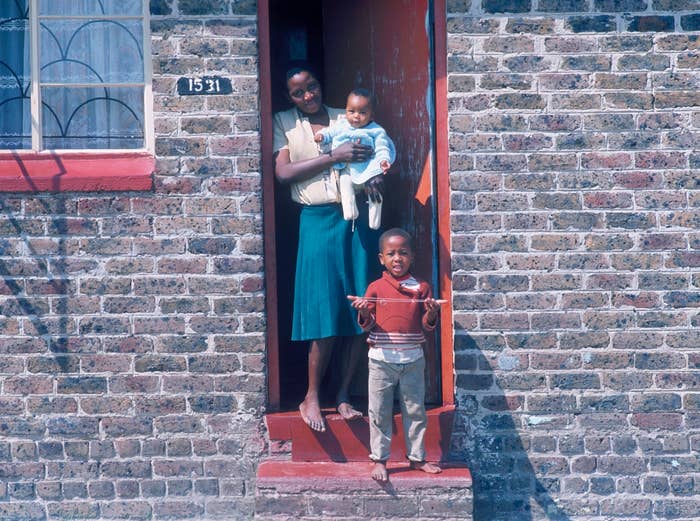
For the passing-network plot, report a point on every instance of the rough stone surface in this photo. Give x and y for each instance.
(132, 327)
(322, 491)
(574, 213)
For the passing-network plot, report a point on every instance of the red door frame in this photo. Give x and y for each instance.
(268, 186)
(443, 203)
(442, 186)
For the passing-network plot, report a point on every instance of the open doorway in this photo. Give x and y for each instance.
(386, 47)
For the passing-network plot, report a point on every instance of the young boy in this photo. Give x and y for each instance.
(358, 125)
(395, 310)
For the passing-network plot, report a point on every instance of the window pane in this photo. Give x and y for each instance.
(91, 51)
(94, 117)
(15, 119)
(90, 7)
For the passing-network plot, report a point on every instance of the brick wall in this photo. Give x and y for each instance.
(131, 324)
(575, 214)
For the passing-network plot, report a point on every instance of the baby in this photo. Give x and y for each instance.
(359, 127)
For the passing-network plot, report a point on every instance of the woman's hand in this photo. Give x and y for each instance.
(374, 188)
(352, 152)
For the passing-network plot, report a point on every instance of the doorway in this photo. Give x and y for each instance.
(386, 47)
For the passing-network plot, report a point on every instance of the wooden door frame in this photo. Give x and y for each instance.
(441, 184)
(272, 343)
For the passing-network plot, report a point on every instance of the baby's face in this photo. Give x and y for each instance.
(358, 111)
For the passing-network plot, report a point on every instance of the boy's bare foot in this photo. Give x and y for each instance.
(379, 472)
(310, 411)
(426, 466)
(347, 411)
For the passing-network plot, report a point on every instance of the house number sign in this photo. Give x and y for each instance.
(203, 85)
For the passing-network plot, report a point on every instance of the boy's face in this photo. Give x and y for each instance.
(358, 111)
(396, 255)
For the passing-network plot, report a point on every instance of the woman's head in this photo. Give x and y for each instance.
(304, 88)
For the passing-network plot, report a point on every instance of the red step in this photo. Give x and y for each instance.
(345, 441)
(341, 491)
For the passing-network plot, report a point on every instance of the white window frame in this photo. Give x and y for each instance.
(35, 102)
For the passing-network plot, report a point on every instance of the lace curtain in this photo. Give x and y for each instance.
(15, 117)
(91, 74)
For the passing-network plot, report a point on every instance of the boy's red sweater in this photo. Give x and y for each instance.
(400, 320)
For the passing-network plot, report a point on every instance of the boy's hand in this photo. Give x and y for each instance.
(362, 307)
(385, 165)
(318, 138)
(432, 308)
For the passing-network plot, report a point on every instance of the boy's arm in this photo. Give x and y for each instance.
(366, 310)
(432, 309)
(368, 321)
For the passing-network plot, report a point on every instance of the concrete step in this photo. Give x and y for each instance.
(326, 490)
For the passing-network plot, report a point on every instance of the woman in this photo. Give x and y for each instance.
(335, 255)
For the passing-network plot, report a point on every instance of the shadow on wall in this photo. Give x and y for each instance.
(506, 485)
(44, 334)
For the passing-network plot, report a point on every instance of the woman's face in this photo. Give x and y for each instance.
(305, 92)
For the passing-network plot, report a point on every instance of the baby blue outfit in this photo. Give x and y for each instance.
(356, 174)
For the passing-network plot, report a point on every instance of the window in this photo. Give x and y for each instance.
(74, 76)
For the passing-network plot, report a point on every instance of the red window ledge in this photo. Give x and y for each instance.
(75, 172)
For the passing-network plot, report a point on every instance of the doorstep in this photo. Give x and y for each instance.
(346, 441)
(326, 491)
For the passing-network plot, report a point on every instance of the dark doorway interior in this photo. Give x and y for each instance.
(383, 46)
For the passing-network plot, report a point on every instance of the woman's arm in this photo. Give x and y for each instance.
(290, 172)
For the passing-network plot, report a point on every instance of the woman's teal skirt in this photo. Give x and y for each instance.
(333, 261)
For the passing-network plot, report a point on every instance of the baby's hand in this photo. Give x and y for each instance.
(385, 165)
(318, 138)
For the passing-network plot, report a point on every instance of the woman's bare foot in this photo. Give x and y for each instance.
(379, 472)
(426, 466)
(347, 411)
(310, 411)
